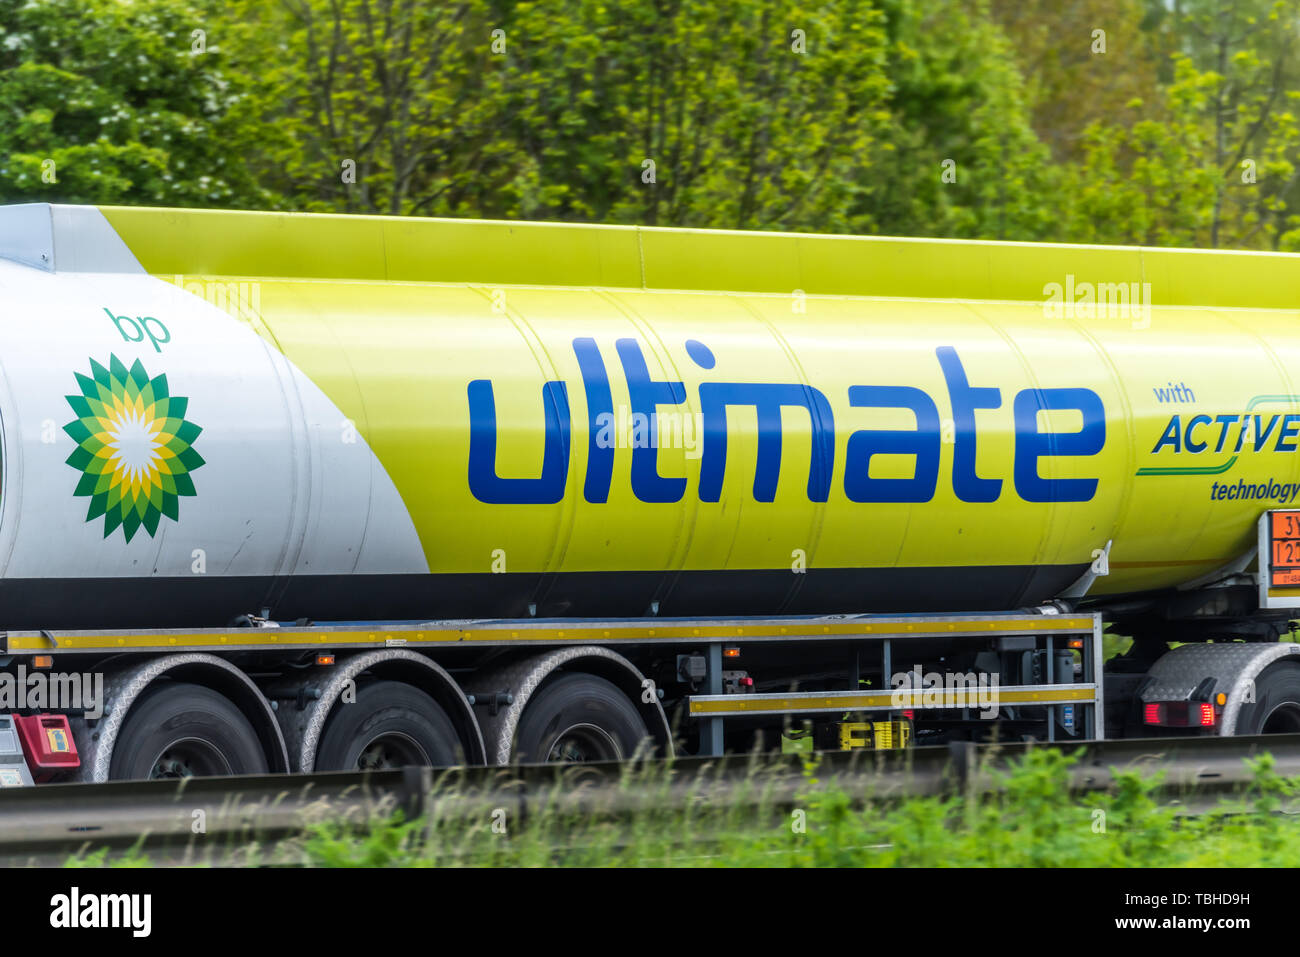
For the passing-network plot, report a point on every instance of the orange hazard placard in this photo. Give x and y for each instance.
(1286, 553)
(1284, 525)
(1284, 548)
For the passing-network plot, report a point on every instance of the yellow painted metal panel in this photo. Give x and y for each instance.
(394, 319)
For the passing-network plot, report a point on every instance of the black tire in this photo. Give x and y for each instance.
(578, 718)
(185, 730)
(1276, 709)
(390, 725)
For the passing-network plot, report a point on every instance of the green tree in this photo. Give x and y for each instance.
(1145, 181)
(1214, 162)
(957, 106)
(1083, 62)
(378, 105)
(836, 116)
(1246, 52)
(755, 113)
(106, 102)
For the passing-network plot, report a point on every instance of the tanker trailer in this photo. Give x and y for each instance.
(547, 487)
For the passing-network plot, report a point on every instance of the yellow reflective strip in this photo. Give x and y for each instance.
(1065, 694)
(757, 703)
(278, 637)
(952, 698)
(109, 642)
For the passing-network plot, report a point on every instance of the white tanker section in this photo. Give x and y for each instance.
(122, 395)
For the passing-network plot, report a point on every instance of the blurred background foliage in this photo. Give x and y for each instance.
(1162, 122)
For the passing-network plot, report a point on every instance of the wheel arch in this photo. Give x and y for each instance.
(1234, 666)
(124, 686)
(303, 729)
(524, 678)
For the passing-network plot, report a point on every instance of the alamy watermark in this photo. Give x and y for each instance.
(626, 429)
(1098, 300)
(951, 689)
(242, 299)
(22, 690)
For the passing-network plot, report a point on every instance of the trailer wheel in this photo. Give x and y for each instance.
(182, 730)
(390, 725)
(578, 718)
(1276, 709)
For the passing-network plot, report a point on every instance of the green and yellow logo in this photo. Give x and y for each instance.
(135, 449)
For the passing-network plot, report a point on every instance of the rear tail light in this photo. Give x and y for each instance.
(1180, 714)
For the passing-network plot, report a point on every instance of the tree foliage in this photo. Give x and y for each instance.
(108, 102)
(1166, 122)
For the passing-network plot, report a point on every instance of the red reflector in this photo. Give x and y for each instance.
(47, 744)
(1152, 713)
(1207, 715)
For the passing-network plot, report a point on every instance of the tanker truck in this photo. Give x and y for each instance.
(293, 492)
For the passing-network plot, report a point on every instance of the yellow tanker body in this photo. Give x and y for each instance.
(551, 492)
(592, 420)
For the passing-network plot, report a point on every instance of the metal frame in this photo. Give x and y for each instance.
(712, 708)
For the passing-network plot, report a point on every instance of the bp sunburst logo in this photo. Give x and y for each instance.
(135, 448)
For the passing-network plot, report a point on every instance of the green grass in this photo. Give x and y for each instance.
(1034, 821)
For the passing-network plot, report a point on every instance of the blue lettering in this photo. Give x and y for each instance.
(923, 442)
(1290, 430)
(645, 394)
(1172, 435)
(1227, 420)
(1192, 423)
(1032, 445)
(600, 455)
(1262, 434)
(965, 400)
(767, 401)
(484, 483)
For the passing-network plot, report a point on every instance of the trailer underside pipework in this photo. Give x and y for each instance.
(294, 493)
